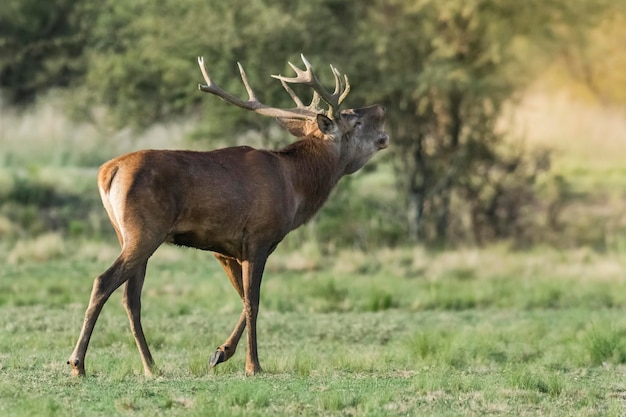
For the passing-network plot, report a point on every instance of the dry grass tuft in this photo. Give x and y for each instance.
(43, 248)
(44, 136)
(306, 258)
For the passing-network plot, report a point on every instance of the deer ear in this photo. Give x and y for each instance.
(326, 125)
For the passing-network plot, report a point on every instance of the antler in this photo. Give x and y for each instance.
(307, 77)
(301, 112)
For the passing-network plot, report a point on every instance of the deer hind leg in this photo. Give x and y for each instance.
(227, 349)
(103, 287)
(132, 304)
(128, 265)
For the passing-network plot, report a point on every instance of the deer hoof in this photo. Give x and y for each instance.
(77, 368)
(255, 370)
(216, 358)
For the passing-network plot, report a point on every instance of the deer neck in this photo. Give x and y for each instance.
(313, 170)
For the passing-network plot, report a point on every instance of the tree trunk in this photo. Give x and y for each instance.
(415, 216)
(443, 216)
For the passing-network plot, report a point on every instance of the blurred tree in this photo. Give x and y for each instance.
(41, 46)
(142, 63)
(445, 70)
(592, 57)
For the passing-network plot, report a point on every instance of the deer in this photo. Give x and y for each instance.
(237, 202)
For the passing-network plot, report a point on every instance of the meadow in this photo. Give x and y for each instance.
(403, 332)
(385, 332)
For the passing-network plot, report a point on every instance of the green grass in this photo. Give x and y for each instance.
(480, 332)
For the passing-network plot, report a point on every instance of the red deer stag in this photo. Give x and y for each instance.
(237, 202)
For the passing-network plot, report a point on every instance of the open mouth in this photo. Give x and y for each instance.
(383, 141)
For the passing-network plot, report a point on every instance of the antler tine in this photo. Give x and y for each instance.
(314, 101)
(307, 77)
(252, 103)
(346, 90)
(302, 77)
(293, 95)
(211, 87)
(244, 79)
(205, 74)
(342, 86)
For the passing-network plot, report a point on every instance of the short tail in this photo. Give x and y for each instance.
(106, 177)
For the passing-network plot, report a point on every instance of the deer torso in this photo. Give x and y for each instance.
(213, 200)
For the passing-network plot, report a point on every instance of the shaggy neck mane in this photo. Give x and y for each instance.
(313, 163)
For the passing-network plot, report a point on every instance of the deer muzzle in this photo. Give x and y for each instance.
(383, 140)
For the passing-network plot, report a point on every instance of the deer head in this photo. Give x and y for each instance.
(357, 133)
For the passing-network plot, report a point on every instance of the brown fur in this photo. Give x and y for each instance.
(237, 202)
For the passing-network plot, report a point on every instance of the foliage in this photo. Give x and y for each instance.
(42, 46)
(445, 70)
(590, 57)
(143, 66)
(32, 207)
(446, 110)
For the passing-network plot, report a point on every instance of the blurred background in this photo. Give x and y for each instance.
(507, 119)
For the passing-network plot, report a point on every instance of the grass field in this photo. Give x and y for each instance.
(393, 333)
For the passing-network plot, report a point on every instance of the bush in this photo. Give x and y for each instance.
(32, 207)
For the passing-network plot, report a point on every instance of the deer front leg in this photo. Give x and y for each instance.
(246, 279)
(232, 267)
(252, 275)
